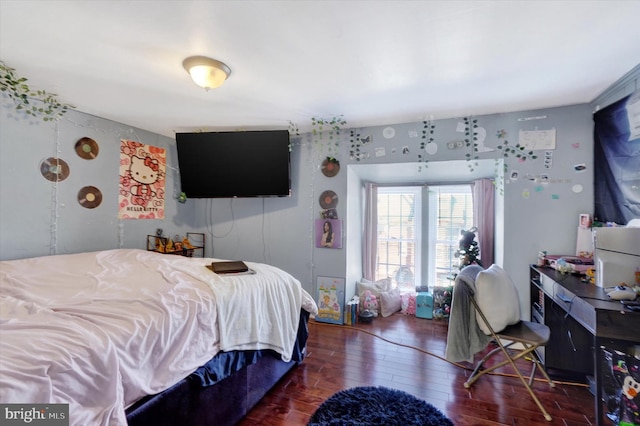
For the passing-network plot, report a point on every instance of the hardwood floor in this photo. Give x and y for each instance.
(341, 357)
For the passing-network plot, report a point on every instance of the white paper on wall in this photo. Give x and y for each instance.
(481, 136)
(537, 139)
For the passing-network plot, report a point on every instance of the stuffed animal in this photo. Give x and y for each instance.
(370, 302)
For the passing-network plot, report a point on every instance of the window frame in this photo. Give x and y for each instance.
(426, 235)
(416, 192)
(433, 240)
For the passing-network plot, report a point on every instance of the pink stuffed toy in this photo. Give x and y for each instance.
(370, 302)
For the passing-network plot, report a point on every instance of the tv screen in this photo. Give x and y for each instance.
(234, 164)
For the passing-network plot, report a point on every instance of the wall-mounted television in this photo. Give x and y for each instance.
(234, 164)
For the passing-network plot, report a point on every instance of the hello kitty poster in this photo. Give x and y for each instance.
(142, 181)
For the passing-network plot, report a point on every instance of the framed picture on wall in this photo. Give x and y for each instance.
(329, 233)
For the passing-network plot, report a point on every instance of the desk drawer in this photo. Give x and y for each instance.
(571, 346)
(579, 309)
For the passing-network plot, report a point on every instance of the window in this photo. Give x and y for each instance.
(450, 211)
(406, 247)
(399, 211)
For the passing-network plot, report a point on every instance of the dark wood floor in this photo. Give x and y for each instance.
(341, 357)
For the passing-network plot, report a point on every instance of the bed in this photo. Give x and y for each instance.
(130, 336)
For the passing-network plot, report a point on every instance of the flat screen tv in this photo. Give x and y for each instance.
(234, 164)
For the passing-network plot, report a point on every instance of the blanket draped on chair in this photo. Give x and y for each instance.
(464, 336)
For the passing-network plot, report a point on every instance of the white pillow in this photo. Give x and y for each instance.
(497, 297)
(375, 287)
(390, 302)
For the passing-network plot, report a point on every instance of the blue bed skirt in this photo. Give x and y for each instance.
(222, 391)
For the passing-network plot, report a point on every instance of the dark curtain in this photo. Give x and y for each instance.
(617, 161)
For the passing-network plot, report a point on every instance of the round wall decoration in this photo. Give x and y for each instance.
(87, 148)
(328, 200)
(330, 167)
(89, 197)
(388, 132)
(431, 148)
(54, 169)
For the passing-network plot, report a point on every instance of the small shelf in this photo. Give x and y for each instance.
(196, 241)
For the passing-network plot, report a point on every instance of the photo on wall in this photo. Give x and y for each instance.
(329, 233)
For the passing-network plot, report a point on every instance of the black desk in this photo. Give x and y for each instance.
(582, 321)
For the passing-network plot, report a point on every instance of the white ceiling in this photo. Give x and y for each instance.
(372, 62)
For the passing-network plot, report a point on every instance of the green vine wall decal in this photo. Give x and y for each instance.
(36, 103)
(428, 129)
(516, 150)
(355, 143)
(332, 127)
(498, 176)
(471, 141)
(293, 131)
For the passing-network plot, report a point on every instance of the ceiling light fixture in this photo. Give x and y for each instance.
(206, 72)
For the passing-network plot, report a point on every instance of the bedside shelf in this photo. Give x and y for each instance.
(196, 239)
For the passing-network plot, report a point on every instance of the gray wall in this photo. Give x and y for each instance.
(536, 215)
(38, 217)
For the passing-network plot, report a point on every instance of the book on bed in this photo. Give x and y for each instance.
(230, 267)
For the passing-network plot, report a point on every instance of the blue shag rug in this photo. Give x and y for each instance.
(370, 405)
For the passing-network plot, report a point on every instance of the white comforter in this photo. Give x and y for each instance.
(250, 319)
(101, 330)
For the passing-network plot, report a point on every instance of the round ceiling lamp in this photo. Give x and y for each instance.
(206, 72)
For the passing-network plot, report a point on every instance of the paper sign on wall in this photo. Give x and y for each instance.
(537, 139)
